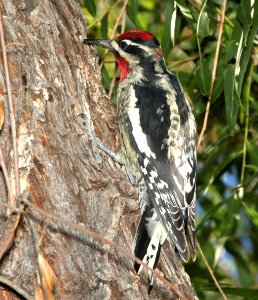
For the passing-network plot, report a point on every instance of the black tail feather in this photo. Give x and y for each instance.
(142, 241)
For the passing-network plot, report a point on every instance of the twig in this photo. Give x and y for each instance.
(13, 221)
(123, 22)
(119, 17)
(115, 27)
(36, 254)
(7, 239)
(104, 240)
(179, 62)
(12, 208)
(11, 111)
(6, 177)
(205, 126)
(211, 272)
(112, 85)
(96, 20)
(14, 287)
(213, 77)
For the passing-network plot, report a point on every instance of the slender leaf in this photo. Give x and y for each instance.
(203, 76)
(90, 5)
(251, 293)
(166, 38)
(187, 12)
(212, 212)
(132, 11)
(104, 26)
(203, 24)
(230, 98)
(244, 12)
(252, 151)
(218, 85)
(253, 214)
(246, 54)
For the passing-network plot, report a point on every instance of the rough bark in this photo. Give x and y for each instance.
(54, 79)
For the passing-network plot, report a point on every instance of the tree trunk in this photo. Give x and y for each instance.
(54, 79)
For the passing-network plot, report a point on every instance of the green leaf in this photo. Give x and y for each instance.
(104, 26)
(166, 38)
(244, 12)
(203, 24)
(246, 54)
(132, 11)
(254, 105)
(90, 5)
(249, 293)
(186, 12)
(253, 214)
(218, 85)
(212, 212)
(252, 151)
(234, 43)
(228, 224)
(203, 76)
(230, 98)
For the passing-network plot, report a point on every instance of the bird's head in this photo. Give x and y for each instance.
(132, 49)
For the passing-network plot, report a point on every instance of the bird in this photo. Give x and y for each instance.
(158, 136)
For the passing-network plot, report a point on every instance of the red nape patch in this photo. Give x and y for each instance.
(136, 34)
(123, 67)
(158, 52)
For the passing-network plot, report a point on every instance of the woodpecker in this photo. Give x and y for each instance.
(158, 135)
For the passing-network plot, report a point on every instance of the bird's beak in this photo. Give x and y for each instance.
(101, 43)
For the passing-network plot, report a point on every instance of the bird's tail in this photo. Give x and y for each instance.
(190, 232)
(148, 240)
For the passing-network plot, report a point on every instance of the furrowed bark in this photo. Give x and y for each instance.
(54, 79)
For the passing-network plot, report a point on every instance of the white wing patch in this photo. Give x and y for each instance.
(134, 117)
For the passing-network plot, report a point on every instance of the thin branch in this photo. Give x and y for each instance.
(179, 62)
(123, 22)
(112, 85)
(11, 111)
(33, 234)
(119, 17)
(211, 272)
(216, 57)
(6, 177)
(115, 27)
(213, 77)
(104, 240)
(246, 98)
(6, 240)
(14, 287)
(12, 208)
(98, 19)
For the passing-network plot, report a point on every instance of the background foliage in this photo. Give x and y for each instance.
(227, 190)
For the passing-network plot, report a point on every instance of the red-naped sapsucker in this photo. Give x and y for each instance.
(158, 135)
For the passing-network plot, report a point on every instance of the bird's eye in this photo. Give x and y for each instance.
(123, 45)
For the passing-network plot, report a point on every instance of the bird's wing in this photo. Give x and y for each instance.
(167, 165)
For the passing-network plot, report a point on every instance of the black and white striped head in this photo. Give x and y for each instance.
(131, 48)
